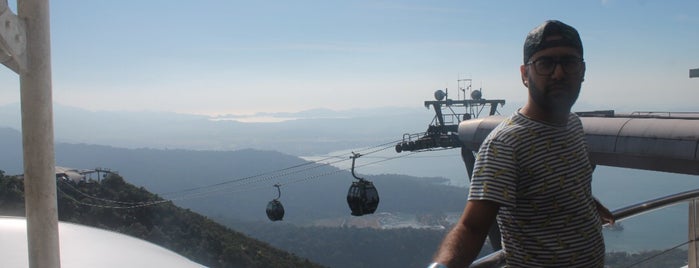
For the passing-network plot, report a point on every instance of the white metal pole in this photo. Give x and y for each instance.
(37, 137)
(693, 233)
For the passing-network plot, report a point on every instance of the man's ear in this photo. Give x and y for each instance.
(524, 72)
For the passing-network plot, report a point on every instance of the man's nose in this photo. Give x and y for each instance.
(558, 72)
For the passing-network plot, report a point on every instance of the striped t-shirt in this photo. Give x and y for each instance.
(541, 176)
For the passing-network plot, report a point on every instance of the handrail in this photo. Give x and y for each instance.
(653, 204)
(497, 259)
(492, 260)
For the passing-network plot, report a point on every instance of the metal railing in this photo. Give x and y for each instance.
(497, 259)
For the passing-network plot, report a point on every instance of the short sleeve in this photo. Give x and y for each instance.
(495, 174)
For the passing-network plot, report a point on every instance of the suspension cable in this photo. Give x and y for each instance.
(284, 169)
(241, 181)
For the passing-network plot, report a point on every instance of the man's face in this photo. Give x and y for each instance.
(554, 77)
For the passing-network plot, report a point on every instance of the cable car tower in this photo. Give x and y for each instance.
(443, 130)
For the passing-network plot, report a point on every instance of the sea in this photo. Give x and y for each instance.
(660, 229)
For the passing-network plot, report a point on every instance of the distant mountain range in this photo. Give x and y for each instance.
(305, 133)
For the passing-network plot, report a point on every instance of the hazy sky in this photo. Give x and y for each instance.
(220, 57)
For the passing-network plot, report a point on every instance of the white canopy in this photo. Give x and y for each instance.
(84, 246)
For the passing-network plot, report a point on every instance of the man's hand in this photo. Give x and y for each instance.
(605, 215)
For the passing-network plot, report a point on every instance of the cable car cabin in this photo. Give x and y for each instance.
(275, 210)
(362, 198)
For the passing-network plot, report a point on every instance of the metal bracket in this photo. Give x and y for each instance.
(13, 39)
(354, 157)
(279, 191)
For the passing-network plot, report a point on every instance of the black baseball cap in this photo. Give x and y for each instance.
(537, 38)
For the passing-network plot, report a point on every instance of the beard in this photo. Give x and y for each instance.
(557, 97)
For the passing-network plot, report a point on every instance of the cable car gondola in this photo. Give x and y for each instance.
(362, 197)
(275, 210)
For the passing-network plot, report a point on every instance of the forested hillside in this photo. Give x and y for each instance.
(180, 230)
(349, 247)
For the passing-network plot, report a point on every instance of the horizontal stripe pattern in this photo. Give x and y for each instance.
(541, 176)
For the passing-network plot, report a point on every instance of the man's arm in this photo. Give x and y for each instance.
(463, 243)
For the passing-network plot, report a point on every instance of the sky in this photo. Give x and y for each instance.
(217, 57)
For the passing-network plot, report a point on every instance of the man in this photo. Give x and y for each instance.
(532, 172)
